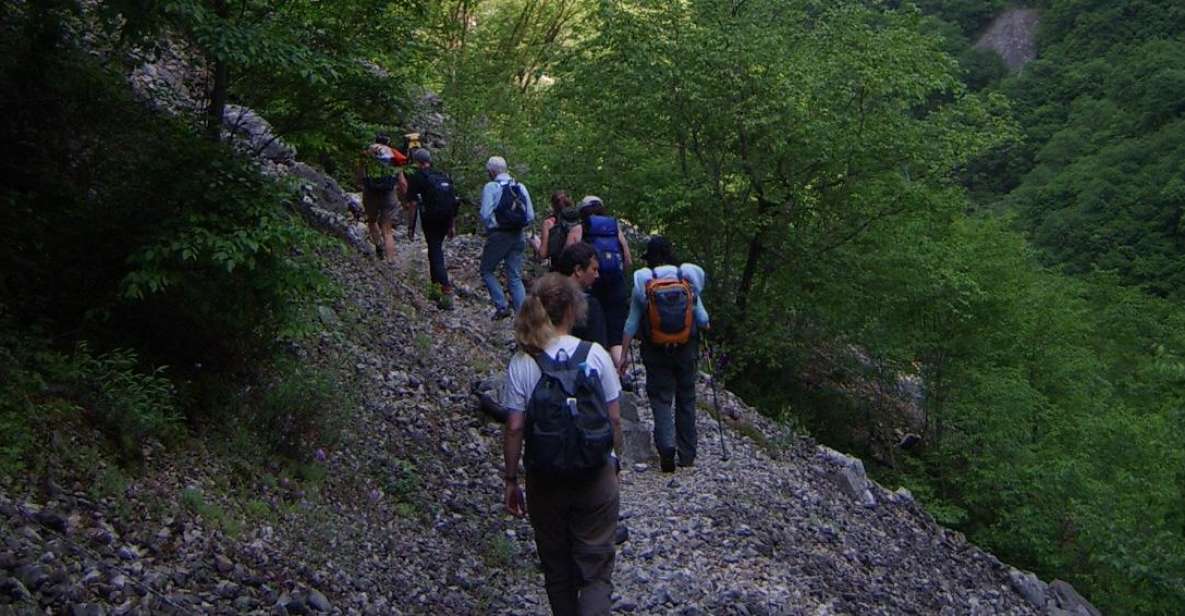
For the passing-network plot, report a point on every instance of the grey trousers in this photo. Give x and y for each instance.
(670, 385)
(575, 523)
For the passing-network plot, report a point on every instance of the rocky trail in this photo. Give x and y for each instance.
(404, 515)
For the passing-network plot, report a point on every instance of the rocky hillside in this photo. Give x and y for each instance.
(404, 516)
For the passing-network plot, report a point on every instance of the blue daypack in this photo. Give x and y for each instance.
(511, 212)
(601, 232)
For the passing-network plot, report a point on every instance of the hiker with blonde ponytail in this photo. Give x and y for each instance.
(562, 398)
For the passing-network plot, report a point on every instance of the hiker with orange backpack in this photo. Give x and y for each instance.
(667, 313)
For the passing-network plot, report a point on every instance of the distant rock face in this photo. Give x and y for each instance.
(256, 135)
(1013, 35)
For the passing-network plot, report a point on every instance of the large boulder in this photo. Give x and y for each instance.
(847, 473)
(325, 191)
(637, 439)
(1056, 599)
(254, 135)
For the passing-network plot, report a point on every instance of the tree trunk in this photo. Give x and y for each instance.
(217, 101)
(756, 247)
(221, 83)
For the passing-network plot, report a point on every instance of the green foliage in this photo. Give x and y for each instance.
(43, 391)
(124, 228)
(300, 411)
(1097, 177)
(129, 405)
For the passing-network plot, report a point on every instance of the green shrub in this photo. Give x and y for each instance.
(128, 405)
(302, 410)
(43, 390)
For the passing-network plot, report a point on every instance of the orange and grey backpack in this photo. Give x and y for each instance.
(670, 310)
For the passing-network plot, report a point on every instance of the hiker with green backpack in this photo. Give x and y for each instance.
(667, 313)
(378, 176)
(433, 196)
(562, 398)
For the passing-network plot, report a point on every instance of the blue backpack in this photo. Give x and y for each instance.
(568, 432)
(511, 212)
(601, 232)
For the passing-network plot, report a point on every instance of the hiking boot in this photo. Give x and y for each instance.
(379, 253)
(666, 462)
(686, 463)
(503, 313)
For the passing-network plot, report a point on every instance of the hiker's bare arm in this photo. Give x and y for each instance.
(625, 248)
(626, 339)
(512, 447)
(615, 419)
(544, 237)
(401, 188)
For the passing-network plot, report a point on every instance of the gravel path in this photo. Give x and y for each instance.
(408, 518)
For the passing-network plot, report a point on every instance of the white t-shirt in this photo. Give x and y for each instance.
(524, 373)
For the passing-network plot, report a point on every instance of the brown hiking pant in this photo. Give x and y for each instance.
(575, 522)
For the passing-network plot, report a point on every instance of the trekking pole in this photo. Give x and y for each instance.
(634, 368)
(716, 400)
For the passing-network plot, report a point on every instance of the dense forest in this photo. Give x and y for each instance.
(876, 203)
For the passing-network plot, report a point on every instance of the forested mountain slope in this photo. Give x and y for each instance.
(897, 233)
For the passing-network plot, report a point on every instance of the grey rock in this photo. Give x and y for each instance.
(51, 520)
(14, 589)
(227, 589)
(33, 576)
(629, 407)
(256, 135)
(326, 192)
(87, 609)
(1029, 586)
(318, 601)
(637, 443)
(1070, 601)
(847, 474)
(328, 316)
(223, 564)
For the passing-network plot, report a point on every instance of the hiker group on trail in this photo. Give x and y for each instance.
(560, 404)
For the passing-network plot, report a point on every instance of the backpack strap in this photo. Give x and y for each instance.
(581, 354)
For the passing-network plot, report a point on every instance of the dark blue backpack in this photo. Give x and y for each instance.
(511, 212)
(601, 232)
(568, 432)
